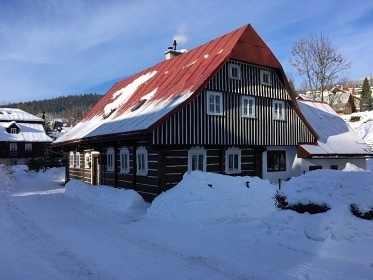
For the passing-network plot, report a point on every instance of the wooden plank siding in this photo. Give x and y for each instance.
(166, 168)
(77, 173)
(37, 151)
(193, 126)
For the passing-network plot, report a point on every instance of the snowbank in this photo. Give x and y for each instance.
(5, 177)
(208, 198)
(113, 199)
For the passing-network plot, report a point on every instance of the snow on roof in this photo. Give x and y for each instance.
(28, 132)
(336, 137)
(144, 100)
(12, 114)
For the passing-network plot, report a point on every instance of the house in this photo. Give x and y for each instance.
(337, 143)
(22, 137)
(225, 107)
(343, 102)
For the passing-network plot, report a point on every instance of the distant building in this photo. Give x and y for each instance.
(343, 101)
(58, 128)
(22, 137)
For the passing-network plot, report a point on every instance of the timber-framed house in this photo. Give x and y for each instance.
(224, 107)
(22, 137)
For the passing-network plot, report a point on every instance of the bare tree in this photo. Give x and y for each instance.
(318, 61)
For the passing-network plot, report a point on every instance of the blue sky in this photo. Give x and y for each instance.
(50, 48)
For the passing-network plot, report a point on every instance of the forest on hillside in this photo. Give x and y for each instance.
(70, 109)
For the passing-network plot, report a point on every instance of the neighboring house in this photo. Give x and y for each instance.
(343, 102)
(337, 143)
(22, 137)
(225, 107)
(58, 129)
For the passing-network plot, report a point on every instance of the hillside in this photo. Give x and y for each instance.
(69, 108)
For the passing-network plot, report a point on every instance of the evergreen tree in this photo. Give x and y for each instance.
(366, 96)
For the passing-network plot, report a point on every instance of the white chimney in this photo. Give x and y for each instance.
(172, 52)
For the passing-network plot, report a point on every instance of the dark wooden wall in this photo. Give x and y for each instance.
(193, 126)
(37, 150)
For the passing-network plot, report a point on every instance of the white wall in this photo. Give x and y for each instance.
(297, 166)
(340, 162)
(293, 164)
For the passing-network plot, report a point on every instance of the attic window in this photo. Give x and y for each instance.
(265, 77)
(234, 71)
(138, 104)
(109, 113)
(13, 130)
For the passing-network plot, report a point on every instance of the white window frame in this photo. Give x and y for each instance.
(142, 161)
(214, 106)
(278, 110)
(195, 153)
(13, 147)
(13, 130)
(87, 161)
(28, 147)
(110, 159)
(124, 158)
(231, 153)
(265, 77)
(71, 159)
(77, 160)
(246, 108)
(232, 68)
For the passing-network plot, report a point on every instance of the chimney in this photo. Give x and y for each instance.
(172, 52)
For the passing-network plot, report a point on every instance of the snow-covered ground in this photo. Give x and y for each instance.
(193, 231)
(363, 126)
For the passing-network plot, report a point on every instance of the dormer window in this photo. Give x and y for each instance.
(13, 130)
(235, 71)
(138, 105)
(265, 77)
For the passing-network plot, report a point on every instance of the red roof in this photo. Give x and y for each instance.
(170, 85)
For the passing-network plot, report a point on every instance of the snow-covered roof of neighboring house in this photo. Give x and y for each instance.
(12, 114)
(28, 132)
(336, 137)
(143, 101)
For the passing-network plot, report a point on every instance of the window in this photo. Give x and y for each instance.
(28, 146)
(110, 159)
(248, 106)
(77, 160)
(214, 103)
(316, 167)
(87, 161)
(265, 77)
(234, 71)
(142, 161)
(233, 161)
(278, 110)
(13, 147)
(138, 105)
(276, 161)
(71, 159)
(334, 167)
(13, 130)
(197, 159)
(124, 157)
